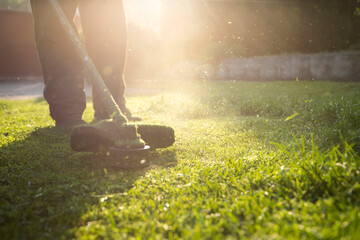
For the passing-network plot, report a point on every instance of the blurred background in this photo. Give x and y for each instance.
(215, 39)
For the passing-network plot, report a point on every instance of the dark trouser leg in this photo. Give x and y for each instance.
(104, 27)
(62, 70)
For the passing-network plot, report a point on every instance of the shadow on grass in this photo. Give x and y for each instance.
(45, 187)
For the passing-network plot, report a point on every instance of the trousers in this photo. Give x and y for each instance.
(104, 30)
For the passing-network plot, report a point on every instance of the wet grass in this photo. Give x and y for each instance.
(273, 160)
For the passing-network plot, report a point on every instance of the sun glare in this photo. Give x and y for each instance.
(145, 13)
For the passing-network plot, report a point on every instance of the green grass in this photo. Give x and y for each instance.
(273, 160)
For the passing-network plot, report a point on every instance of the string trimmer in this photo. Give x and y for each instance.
(128, 143)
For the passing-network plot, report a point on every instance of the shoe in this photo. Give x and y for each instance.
(129, 115)
(134, 118)
(126, 112)
(69, 123)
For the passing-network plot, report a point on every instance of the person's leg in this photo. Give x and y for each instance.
(104, 27)
(62, 69)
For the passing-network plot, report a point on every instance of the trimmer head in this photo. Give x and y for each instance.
(99, 137)
(129, 158)
(102, 136)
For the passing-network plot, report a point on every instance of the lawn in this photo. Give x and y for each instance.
(275, 160)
